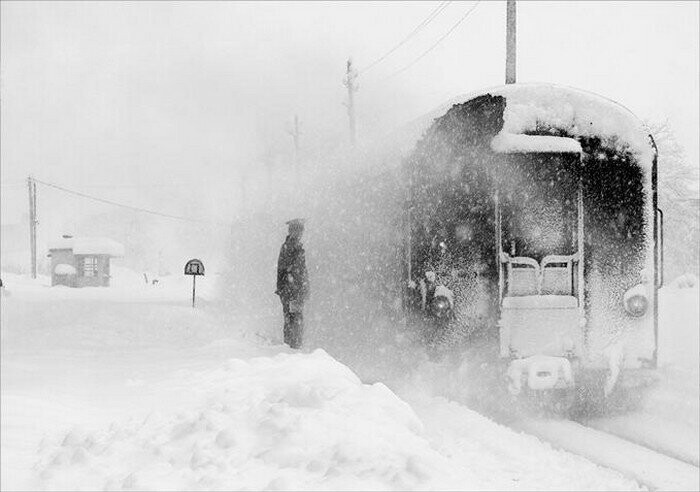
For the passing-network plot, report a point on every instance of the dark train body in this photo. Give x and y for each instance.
(536, 206)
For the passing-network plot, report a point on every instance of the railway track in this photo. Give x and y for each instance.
(652, 463)
(659, 457)
(652, 468)
(676, 441)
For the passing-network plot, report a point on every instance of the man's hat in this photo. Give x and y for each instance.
(296, 223)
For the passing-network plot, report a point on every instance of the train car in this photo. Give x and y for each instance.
(536, 206)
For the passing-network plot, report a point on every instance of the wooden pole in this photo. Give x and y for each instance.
(194, 285)
(510, 42)
(32, 224)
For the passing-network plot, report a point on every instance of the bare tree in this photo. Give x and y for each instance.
(678, 198)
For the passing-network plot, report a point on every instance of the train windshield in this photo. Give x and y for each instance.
(539, 204)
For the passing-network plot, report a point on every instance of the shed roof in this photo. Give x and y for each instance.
(89, 246)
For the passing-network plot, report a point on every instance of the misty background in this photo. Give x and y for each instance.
(186, 109)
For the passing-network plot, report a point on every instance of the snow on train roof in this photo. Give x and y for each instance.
(89, 246)
(577, 112)
(508, 143)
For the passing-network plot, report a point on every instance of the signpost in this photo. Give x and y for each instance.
(194, 267)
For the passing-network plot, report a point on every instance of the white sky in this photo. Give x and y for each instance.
(136, 93)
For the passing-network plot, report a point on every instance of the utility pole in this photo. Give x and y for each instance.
(31, 186)
(295, 133)
(351, 84)
(510, 42)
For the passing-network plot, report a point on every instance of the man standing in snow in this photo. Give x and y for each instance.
(293, 283)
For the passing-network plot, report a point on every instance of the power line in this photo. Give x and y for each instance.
(149, 186)
(130, 207)
(138, 186)
(462, 19)
(436, 11)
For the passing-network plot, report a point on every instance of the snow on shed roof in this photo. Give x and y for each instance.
(508, 143)
(89, 246)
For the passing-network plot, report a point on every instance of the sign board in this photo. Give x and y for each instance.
(194, 267)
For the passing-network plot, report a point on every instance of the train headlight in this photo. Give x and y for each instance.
(636, 301)
(441, 306)
(637, 305)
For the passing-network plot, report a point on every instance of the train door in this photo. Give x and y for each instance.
(540, 250)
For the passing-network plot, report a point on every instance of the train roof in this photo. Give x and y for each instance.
(574, 112)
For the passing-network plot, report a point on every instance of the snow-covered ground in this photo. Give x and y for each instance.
(669, 420)
(131, 388)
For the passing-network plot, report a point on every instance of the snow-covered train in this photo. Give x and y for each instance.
(536, 205)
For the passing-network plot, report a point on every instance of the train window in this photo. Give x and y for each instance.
(539, 205)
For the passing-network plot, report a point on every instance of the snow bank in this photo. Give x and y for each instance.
(679, 329)
(306, 422)
(287, 422)
(125, 277)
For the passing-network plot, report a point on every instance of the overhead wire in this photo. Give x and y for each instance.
(435, 12)
(130, 207)
(455, 26)
(137, 186)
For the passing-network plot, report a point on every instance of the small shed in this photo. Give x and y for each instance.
(82, 261)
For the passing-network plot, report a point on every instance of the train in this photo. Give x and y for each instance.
(536, 205)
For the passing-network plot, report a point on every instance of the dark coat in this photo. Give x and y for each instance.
(292, 277)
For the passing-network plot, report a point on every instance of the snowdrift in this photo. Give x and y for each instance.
(287, 422)
(306, 422)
